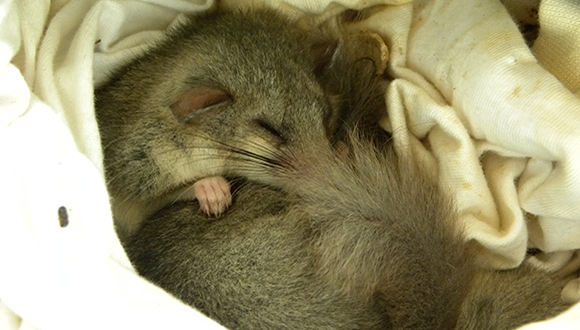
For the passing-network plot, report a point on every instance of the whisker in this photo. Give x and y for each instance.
(178, 197)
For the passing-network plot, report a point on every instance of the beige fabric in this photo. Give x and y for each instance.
(558, 46)
(501, 126)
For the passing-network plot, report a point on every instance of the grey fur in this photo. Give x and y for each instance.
(316, 239)
(365, 242)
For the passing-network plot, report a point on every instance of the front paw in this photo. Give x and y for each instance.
(214, 195)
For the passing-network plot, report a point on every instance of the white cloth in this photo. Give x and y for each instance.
(503, 131)
(75, 277)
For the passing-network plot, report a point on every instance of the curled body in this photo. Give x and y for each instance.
(329, 228)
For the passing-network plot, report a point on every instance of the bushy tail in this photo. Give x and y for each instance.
(388, 231)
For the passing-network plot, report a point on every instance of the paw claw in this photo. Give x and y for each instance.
(213, 194)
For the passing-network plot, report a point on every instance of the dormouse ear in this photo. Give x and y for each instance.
(321, 54)
(199, 100)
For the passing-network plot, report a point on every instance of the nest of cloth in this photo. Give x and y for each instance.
(484, 92)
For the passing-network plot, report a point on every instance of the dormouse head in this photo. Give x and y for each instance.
(224, 94)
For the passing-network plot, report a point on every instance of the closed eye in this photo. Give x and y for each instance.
(269, 128)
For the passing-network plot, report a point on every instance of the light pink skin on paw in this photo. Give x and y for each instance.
(214, 195)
